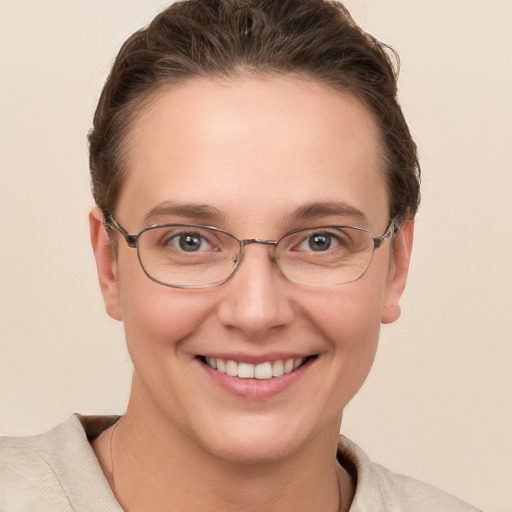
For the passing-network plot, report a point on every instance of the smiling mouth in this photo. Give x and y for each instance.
(262, 371)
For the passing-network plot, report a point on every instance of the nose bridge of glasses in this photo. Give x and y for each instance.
(249, 241)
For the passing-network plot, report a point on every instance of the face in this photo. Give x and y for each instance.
(258, 157)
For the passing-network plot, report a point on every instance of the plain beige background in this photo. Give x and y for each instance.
(438, 404)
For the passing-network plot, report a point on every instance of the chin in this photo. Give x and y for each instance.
(261, 441)
(254, 450)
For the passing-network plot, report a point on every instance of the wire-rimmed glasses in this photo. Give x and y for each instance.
(198, 256)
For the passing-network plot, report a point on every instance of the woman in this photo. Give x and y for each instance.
(256, 186)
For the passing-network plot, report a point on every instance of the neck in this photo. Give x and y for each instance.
(151, 465)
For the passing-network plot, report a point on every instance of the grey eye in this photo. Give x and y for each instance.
(190, 242)
(320, 241)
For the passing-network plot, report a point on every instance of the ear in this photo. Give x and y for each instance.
(402, 246)
(106, 264)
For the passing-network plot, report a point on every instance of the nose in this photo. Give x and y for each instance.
(257, 298)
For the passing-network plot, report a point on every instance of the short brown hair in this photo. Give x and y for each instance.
(315, 39)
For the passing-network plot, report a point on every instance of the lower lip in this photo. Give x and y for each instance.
(257, 389)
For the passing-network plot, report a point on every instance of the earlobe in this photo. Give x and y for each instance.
(106, 264)
(402, 246)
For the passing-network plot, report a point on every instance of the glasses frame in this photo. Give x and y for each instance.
(132, 241)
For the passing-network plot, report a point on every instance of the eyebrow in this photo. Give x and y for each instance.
(186, 210)
(339, 209)
(205, 212)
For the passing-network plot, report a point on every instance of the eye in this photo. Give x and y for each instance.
(319, 242)
(180, 239)
(189, 242)
(175, 241)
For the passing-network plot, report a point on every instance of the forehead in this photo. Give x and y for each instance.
(255, 146)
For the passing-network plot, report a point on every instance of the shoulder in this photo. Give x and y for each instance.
(53, 471)
(29, 470)
(381, 490)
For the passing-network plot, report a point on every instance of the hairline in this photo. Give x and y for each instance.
(142, 103)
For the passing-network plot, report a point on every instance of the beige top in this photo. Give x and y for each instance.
(58, 472)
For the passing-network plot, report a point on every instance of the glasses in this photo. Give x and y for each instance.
(197, 256)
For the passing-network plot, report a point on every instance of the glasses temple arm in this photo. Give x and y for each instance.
(390, 232)
(111, 222)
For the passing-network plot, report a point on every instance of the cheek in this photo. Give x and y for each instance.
(158, 318)
(350, 314)
(350, 320)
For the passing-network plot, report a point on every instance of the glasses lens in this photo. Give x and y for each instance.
(325, 256)
(187, 255)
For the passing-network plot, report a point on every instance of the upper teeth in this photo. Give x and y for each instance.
(265, 370)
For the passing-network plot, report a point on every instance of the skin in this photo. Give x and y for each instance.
(254, 150)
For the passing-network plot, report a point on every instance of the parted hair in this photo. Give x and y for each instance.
(311, 39)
